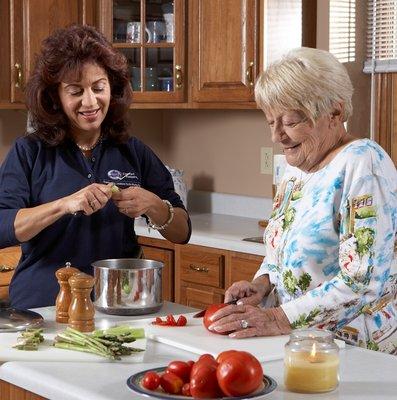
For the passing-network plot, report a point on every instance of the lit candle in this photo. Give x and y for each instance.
(315, 370)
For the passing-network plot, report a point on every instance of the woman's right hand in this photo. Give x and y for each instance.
(89, 199)
(247, 292)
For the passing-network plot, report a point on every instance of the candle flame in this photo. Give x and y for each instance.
(313, 351)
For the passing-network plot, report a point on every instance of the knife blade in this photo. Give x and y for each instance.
(201, 313)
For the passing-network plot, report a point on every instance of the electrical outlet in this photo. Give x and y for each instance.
(266, 160)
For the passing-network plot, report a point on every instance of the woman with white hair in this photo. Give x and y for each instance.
(331, 235)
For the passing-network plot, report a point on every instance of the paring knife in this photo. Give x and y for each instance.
(201, 313)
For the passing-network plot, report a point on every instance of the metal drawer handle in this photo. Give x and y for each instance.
(18, 68)
(178, 77)
(198, 269)
(250, 73)
(5, 268)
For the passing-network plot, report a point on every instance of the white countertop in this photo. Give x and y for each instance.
(218, 231)
(364, 374)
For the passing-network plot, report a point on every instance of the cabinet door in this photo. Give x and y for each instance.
(224, 49)
(151, 35)
(167, 257)
(242, 267)
(9, 258)
(199, 298)
(25, 23)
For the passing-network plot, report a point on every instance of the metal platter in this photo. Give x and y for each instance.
(13, 320)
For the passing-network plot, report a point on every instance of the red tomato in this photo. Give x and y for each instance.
(171, 383)
(171, 320)
(191, 363)
(222, 356)
(180, 368)
(181, 321)
(209, 312)
(186, 390)
(151, 380)
(203, 381)
(239, 374)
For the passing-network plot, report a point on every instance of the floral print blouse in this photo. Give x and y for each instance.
(330, 247)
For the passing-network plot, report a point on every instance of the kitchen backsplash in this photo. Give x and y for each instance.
(230, 204)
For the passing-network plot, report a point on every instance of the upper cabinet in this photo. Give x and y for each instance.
(223, 51)
(181, 53)
(24, 24)
(151, 34)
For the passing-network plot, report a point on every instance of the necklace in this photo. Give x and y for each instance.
(92, 147)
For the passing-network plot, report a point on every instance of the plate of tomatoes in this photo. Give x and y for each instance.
(232, 375)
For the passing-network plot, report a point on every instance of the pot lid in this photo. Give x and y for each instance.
(12, 319)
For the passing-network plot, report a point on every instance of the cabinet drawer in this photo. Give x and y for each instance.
(243, 267)
(199, 298)
(3, 292)
(5, 278)
(202, 268)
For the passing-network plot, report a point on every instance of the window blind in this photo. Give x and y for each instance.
(283, 28)
(342, 29)
(381, 36)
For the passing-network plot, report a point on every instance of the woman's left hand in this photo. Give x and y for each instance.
(135, 201)
(247, 321)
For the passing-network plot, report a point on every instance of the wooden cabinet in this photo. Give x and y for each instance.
(242, 267)
(210, 60)
(9, 258)
(166, 256)
(151, 34)
(223, 50)
(24, 24)
(198, 276)
(386, 113)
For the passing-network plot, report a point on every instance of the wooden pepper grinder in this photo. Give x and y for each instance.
(81, 309)
(64, 297)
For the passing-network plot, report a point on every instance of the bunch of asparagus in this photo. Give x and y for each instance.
(30, 339)
(107, 343)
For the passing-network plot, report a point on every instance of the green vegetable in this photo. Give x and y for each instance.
(30, 339)
(107, 343)
(114, 188)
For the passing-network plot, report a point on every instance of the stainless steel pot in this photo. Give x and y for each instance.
(128, 286)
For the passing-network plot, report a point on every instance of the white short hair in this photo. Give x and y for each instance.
(308, 80)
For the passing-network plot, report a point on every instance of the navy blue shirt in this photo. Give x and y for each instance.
(34, 174)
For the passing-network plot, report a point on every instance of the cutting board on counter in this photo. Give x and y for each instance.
(196, 339)
(47, 352)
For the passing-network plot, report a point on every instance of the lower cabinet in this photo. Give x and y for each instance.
(9, 258)
(198, 276)
(166, 256)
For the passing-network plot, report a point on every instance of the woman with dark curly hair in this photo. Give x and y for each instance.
(70, 190)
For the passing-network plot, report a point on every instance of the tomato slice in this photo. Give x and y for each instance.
(181, 321)
(171, 320)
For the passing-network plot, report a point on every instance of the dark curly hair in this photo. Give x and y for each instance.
(64, 52)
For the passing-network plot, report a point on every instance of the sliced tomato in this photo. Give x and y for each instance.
(171, 320)
(181, 321)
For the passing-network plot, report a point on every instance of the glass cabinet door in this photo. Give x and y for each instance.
(150, 34)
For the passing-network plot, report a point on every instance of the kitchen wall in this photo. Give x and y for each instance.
(219, 150)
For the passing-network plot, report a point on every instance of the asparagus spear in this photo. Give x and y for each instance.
(30, 339)
(109, 346)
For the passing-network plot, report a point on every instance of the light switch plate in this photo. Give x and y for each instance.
(267, 160)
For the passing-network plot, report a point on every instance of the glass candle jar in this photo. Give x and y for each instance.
(311, 361)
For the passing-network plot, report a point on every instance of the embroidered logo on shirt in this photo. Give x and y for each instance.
(123, 178)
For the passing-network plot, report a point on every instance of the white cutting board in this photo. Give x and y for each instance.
(196, 339)
(47, 352)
